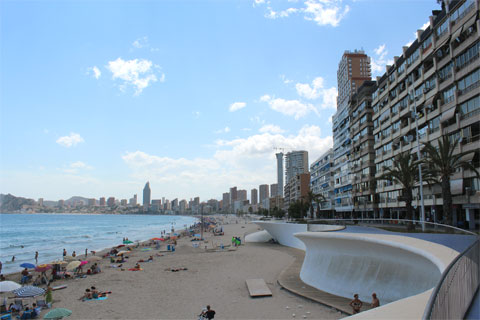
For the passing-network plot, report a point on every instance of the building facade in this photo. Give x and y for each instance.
(264, 193)
(254, 196)
(432, 90)
(147, 193)
(273, 190)
(353, 70)
(321, 183)
(296, 162)
(296, 189)
(279, 174)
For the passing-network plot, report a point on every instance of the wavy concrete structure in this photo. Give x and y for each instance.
(284, 232)
(395, 267)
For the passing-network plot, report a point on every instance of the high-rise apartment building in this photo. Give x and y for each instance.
(233, 195)
(92, 202)
(296, 162)
(362, 152)
(102, 201)
(353, 70)
(279, 174)
(40, 202)
(273, 190)
(225, 201)
(321, 183)
(432, 91)
(254, 196)
(296, 189)
(242, 195)
(147, 193)
(133, 201)
(182, 205)
(264, 194)
(111, 202)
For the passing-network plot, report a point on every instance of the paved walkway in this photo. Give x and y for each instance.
(290, 280)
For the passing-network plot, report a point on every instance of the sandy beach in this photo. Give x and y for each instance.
(212, 277)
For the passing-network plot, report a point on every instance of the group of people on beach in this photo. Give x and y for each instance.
(357, 304)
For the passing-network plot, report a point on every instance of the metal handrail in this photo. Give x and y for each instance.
(453, 295)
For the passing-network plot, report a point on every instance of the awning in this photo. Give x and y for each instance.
(447, 115)
(468, 156)
(396, 140)
(456, 34)
(430, 100)
(439, 45)
(470, 22)
(456, 186)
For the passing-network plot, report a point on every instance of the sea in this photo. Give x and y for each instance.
(23, 234)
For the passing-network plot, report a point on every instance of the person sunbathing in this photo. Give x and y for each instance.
(87, 295)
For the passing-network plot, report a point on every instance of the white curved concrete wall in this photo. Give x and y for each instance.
(283, 232)
(394, 267)
(259, 236)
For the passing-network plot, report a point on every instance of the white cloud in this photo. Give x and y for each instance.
(140, 42)
(211, 176)
(285, 80)
(237, 106)
(196, 114)
(317, 90)
(224, 130)
(293, 108)
(95, 71)
(75, 167)
(271, 128)
(70, 141)
(137, 73)
(379, 60)
(322, 12)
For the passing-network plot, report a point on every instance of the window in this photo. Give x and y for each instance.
(469, 55)
(395, 109)
(448, 95)
(430, 84)
(413, 57)
(427, 43)
(461, 11)
(470, 107)
(395, 126)
(442, 29)
(433, 125)
(401, 68)
(445, 72)
(469, 82)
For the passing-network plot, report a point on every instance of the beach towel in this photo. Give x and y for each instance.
(135, 269)
(99, 298)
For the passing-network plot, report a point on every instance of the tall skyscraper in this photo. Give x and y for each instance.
(273, 190)
(102, 201)
(233, 195)
(254, 196)
(146, 195)
(111, 201)
(264, 194)
(226, 201)
(353, 70)
(296, 162)
(242, 195)
(279, 174)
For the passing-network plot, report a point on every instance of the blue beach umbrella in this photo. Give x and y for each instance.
(28, 291)
(27, 265)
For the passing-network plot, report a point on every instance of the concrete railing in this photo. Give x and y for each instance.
(457, 287)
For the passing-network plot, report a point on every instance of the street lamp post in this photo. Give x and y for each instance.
(420, 165)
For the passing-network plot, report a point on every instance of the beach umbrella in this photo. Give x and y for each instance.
(57, 313)
(157, 239)
(94, 258)
(84, 262)
(28, 291)
(7, 286)
(122, 252)
(69, 258)
(73, 265)
(60, 262)
(43, 267)
(127, 242)
(27, 265)
(120, 246)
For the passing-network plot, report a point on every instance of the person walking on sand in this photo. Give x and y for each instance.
(356, 304)
(209, 313)
(375, 301)
(36, 257)
(48, 295)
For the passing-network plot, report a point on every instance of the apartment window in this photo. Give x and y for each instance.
(386, 132)
(442, 29)
(445, 72)
(395, 126)
(401, 68)
(430, 84)
(469, 83)
(413, 57)
(448, 95)
(469, 55)
(433, 125)
(427, 44)
(363, 119)
(391, 77)
(395, 109)
(461, 11)
(470, 107)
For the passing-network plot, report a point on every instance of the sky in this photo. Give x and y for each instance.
(99, 97)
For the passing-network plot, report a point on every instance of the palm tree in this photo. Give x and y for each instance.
(441, 163)
(404, 172)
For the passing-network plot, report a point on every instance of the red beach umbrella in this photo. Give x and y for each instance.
(83, 262)
(43, 267)
(156, 239)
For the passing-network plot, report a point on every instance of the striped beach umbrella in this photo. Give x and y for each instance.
(28, 291)
(43, 267)
(58, 313)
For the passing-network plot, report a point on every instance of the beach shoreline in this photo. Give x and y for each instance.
(205, 276)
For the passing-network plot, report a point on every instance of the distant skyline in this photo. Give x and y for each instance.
(98, 97)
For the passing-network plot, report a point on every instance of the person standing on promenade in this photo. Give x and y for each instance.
(356, 304)
(36, 257)
(86, 252)
(375, 301)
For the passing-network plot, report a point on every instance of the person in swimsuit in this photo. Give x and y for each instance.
(356, 304)
(375, 301)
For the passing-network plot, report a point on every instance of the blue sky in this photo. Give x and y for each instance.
(97, 97)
